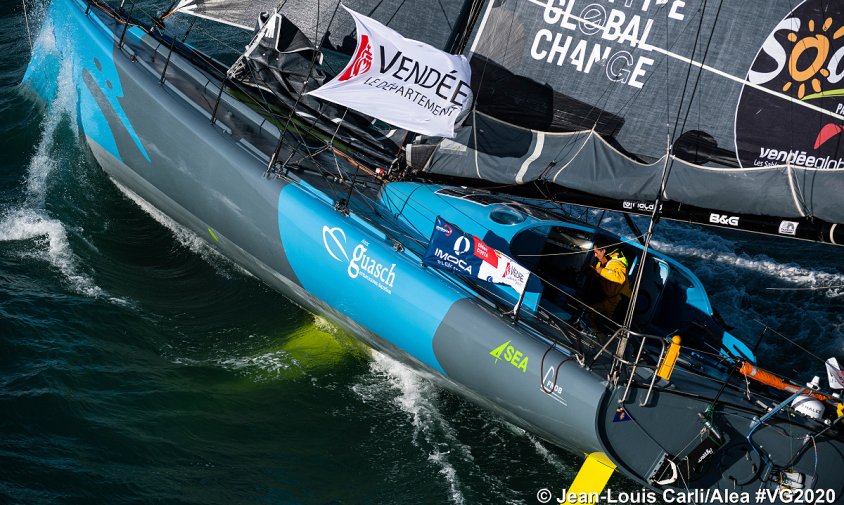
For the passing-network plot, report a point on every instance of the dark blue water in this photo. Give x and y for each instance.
(137, 366)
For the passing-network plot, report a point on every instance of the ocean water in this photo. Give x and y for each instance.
(138, 366)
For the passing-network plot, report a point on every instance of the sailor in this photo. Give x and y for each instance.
(612, 269)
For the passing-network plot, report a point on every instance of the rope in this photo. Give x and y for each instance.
(556, 373)
(607, 246)
(792, 342)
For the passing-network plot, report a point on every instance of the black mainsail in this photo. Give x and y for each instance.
(742, 103)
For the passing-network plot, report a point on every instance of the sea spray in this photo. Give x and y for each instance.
(45, 160)
(30, 221)
(432, 432)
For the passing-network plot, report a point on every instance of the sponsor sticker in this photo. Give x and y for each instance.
(788, 228)
(723, 219)
(551, 388)
(612, 41)
(621, 415)
(360, 264)
(511, 355)
(803, 59)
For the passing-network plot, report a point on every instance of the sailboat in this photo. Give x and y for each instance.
(724, 115)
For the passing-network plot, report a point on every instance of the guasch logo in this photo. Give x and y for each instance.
(362, 62)
(803, 59)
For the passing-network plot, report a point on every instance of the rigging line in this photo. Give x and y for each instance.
(274, 157)
(628, 318)
(445, 15)
(258, 81)
(395, 232)
(371, 12)
(190, 27)
(607, 246)
(659, 64)
(309, 130)
(699, 74)
(394, 13)
(486, 58)
(570, 143)
(470, 283)
(26, 21)
(474, 11)
(702, 15)
(721, 73)
(264, 106)
(209, 62)
(791, 341)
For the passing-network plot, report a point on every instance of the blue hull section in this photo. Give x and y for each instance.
(71, 38)
(157, 140)
(354, 269)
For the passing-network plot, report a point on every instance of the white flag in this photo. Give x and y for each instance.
(504, 271)
(401, 81)
(833, 373)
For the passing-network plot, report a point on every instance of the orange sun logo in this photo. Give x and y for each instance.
(820, 43)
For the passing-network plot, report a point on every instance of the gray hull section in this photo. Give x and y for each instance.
(204, 177)
(530, 382)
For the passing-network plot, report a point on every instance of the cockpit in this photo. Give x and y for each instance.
(563, 260)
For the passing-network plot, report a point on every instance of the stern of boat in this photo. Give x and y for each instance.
(688, 433)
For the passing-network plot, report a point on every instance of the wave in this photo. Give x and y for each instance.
(51, 238)
(416, 397)
(30, 220)
(185, 237)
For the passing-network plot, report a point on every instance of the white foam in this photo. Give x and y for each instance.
(547, 455)
(30, 222)
(738, 282)
(44, 162)
(323, 324)
(188, 239)
(263, 367)
(416, 396)
(50, 237)
(682, 241)
(792, 273)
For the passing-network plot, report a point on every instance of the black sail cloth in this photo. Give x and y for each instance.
(742, 100)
